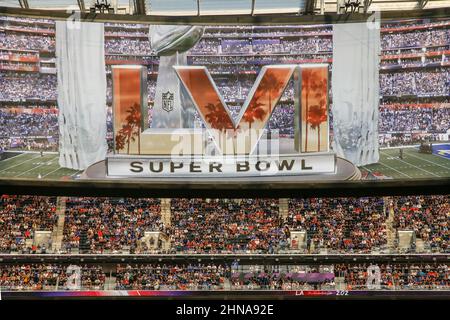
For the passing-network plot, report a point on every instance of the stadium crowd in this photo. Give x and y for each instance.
(29, 144)
(41, 277)
(19, 87)
(398, 276)
(263, 46)
(405, 139)
(116, 225)
(413, 118)
(283, 278)
(127, 46)
(22, 124)
(214, 276)
(428, 217)
(282, 119)
(340, 224)
(217, 226)
(428, 38)
(425, 82)
(237, 90)
(26, 42)
(171, 277)
(110, 225)
(265, 31)
(20, 217)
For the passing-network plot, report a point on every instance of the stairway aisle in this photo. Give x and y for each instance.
(166, 211)
(390, 230)
(58, 230)
(284, 208)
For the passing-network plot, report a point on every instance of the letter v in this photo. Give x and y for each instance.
(255, 113)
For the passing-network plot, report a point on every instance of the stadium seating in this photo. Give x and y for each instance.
(212, 226)
(216, 276)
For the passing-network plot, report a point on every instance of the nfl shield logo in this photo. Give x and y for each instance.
(167, 101)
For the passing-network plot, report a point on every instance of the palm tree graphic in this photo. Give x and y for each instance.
(270, 85)
(131, 129)
(316, 116)
(254, 112)
(217, 117)
(314, 86)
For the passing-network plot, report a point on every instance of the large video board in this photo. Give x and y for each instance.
(318, 102)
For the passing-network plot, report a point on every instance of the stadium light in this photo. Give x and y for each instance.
(139, 7)
(102, 6)
(367, 4)
(351, 6)
(422, 3)
(310, 6)
(81, 5)
(24, 4)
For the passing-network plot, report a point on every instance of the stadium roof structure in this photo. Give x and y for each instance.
(229, 7)
(218, 12)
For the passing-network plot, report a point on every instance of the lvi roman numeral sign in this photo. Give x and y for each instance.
(232, 137)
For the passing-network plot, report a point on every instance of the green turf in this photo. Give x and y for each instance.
(413, 166)
(31, 165)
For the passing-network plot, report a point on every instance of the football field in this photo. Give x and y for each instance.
(34, 166)
(414, 165)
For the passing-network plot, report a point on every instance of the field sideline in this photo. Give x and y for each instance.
(414, 165)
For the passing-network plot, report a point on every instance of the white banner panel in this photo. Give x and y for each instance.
(80, 59)
(208, 167)
(355, 83)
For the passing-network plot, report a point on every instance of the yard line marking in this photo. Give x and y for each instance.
(364, 167)
(19, 163)
(447, 168)
(45, 163)
(13, 157)
(52, 172)
(394, 169)
(419, 168)
(78, 172)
